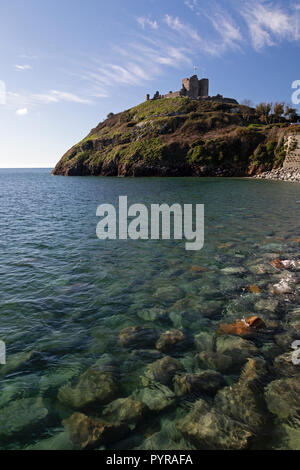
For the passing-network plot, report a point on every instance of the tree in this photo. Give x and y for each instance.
(291, 114)
(278, 111)
(247, 102)
(110, 115)
(263, 110)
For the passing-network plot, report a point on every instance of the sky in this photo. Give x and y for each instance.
(66, 64)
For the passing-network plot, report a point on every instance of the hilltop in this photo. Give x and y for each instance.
(180, 137)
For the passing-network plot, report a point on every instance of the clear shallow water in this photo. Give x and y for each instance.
(65, 295)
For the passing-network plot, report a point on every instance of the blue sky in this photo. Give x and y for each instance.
(67, 63)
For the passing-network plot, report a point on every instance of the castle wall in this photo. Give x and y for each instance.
(292, 159)
(194, 89)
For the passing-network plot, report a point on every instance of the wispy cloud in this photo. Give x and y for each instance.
(22, 112)
(55, 96)
(144, 21)
(270, 23)
(22, 102)
(182, 28)
(192, 4)
(229, 32)
(23, 67)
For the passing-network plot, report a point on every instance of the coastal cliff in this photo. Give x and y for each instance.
(180, 137)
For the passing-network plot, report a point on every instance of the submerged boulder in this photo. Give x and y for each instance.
(284, 365)
(162, 371)
(125, 410)
(244, 328)
(208, 382)
(208, 428)
(283, 398)
(168, 294)
(171, 339)
(156, 398)
(239, 349)
(153, 314)
(89, 433)
(244, 400)
(205, 341)
(138, 336)
(215, 361)
(96, 386)
(20, 416)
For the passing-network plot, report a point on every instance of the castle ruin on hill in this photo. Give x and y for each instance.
(195, 89)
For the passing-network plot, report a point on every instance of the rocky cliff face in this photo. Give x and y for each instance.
(178, 137)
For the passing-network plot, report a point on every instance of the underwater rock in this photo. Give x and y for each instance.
(286, 285)
(146, 354)
(282, 288)
(168, 438)
(22, 416)
(153, 314)
(214, 361)
(211, 308)
(283, 398)
(87, 432)
(162, 371)
(284, 340)
(288, 437)
(205, 341)
(198, 269)
(262, 269)
(157, 397)
(284, 365)
(254, 289)
(169, 294)
(244, 400)
(171, 339)
(284, 264)
(17, 387)
(239, 349)
(138, 336)
(56, 378)
(293, 319)
(125, 410)
(269, 305)
(21, 361)
(208, 429)
(245, 327)
(96, 386)
(234, 270)
(208, 381)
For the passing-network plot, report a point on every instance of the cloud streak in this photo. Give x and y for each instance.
(269, 24)
(23, 67)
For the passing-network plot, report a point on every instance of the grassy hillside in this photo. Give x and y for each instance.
(179, 136)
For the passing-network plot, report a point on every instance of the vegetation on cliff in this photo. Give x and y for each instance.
(180, 136)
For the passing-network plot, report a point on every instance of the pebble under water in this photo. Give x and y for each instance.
(123, 337)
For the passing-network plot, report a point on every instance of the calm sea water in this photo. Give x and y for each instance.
(65, 295)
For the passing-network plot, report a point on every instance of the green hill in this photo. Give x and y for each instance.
(178, 137)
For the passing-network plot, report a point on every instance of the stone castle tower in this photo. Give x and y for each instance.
(194, 88)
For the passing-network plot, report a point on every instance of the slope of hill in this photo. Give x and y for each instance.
(179, 137)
